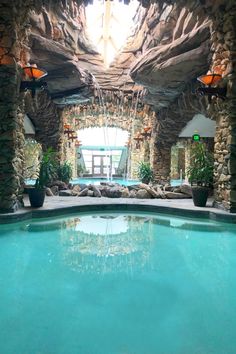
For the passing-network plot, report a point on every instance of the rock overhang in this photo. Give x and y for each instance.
(168, 50)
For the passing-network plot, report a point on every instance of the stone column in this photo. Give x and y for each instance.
(146, 150)
(161, 162)
(136, 156)
(12, 36)
(11, 139)
(224, 112)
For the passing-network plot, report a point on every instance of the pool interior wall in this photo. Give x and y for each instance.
(126, 205)
(146, 283)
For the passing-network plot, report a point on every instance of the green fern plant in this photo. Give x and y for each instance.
(47, 169)
(65, 172)
(145, 172)
(200, 171)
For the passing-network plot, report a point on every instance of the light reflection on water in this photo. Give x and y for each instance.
(103, 244)
(117, 283)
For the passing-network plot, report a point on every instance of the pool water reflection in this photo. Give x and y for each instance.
(117, 283)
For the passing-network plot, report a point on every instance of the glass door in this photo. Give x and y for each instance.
(101, 165)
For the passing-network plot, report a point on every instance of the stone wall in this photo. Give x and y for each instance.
(13, 34)
(224, 112)
(167, 127)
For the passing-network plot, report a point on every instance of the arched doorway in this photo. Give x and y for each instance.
(103, 152)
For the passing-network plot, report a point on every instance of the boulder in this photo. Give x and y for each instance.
(125, 193)
(76, 188)
(82, 186)
(133, 187)
(96, 191)
(133, 193)
(49, 192)
(61, 185)
(160, 193)
(168, 188)
(173, 195)
(83, 193)
(186, 189)
(114, 192)
(55, 190)
(150, 190)
(65, 193)
(143, 194)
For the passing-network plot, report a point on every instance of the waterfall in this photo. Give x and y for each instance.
(105, 130)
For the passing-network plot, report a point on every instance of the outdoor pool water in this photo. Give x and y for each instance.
(124, 182)
(96, 181)
(117, 283)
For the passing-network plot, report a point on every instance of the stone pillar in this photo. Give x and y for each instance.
(146, 150)
(136, 156)
(69, 148)
(224, 112)
(11, 140)
(161, 162)
(12, 36)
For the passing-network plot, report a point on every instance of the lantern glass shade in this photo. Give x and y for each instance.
(210, 79)
(34, 73)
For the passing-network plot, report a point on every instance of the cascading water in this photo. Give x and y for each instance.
(126, 106)
(99, 94)
(136, 99)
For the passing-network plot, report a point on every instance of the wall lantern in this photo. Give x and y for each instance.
(68, 130)
(196, 137)
(210, 90)
(72, 137)
(138, 138)
(147, 132)
(35, 75)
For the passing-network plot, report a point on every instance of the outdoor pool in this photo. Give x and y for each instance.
(118, 283)
(96, 181)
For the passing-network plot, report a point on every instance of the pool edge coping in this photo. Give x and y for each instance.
(24, 215)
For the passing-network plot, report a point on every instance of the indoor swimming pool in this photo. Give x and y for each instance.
(115, 283)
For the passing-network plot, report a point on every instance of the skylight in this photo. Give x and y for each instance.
(109, 23)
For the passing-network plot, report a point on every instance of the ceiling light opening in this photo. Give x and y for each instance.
(109, 24)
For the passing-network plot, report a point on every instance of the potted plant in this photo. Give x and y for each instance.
(47, 172)
(200, 173)
(145, 173)
(65, 172)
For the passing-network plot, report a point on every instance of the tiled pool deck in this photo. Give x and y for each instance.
(56, 205)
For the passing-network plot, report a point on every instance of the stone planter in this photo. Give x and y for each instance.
(200, 195)
(36, 197)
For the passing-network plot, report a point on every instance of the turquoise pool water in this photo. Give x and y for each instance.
(118, 284)
(97, 181)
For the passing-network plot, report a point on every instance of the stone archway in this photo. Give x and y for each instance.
(127, 112)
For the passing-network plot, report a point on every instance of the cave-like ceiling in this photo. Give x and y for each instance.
(169, 48)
